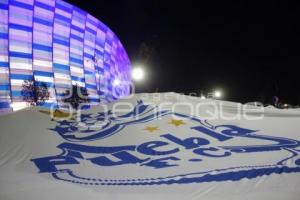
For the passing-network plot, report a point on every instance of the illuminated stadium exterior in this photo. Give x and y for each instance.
(54, 42)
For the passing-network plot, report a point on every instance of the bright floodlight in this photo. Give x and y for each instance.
(217, 94)
(138, 74)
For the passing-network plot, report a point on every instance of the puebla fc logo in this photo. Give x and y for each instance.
(148, 146)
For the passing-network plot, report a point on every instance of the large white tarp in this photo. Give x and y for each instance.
(152, 146)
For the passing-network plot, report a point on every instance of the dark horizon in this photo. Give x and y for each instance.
(247, 49)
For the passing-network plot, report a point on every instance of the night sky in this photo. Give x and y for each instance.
(247, 49)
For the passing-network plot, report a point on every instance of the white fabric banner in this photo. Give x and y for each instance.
(152, 146)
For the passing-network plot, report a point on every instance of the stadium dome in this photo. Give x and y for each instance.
(54, 42)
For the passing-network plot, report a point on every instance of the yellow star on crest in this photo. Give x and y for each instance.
(151, 128)
(176, 122)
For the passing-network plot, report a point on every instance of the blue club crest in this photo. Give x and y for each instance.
(104, 124)
(203, 143)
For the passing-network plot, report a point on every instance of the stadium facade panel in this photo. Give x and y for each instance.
(54, 42)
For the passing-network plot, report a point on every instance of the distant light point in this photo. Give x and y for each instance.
(217, 94)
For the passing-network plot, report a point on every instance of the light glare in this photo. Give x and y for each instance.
(138, 74)
(116, 82)
(218, 94)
